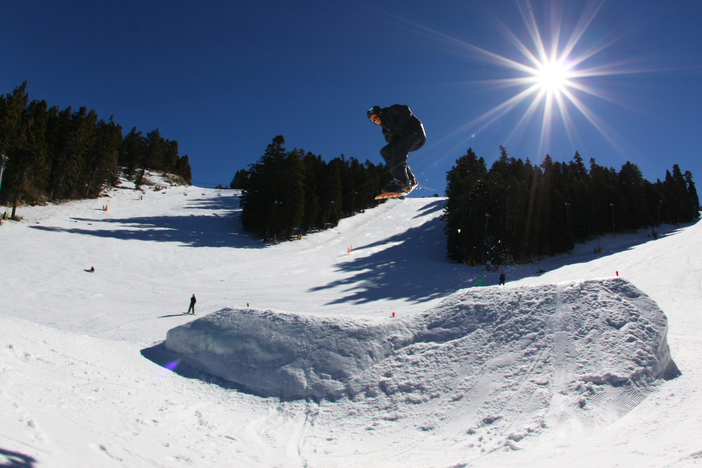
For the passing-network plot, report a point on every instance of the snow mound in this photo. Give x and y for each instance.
(286, 355)
(580, 335)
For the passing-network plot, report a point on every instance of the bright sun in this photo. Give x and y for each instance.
(552, 76)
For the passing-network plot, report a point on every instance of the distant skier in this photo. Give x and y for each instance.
(502, 279)
(92, 270)
(192, 305)
(404, 133)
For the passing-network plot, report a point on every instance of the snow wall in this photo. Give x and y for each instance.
(601, 333)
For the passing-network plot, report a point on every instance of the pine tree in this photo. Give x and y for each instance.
(684, 209)
(292, 194)
(170, 156)
(692, 194)
(633, 214)
(183, 168)
(464, 213)
(606, 197)
(12, 108)
(27, 165)
(131, 152)
(261, 207)
(240, 179)
(152, 156)
(314, 167)
(330, 198)
(577, 198)
(102, 159)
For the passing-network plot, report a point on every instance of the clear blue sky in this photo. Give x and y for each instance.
(225, 77)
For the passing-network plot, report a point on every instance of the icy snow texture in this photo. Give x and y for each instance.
(612, 334)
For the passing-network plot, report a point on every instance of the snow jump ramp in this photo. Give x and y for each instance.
(569, 342)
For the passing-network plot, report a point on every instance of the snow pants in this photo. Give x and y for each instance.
(395, 154)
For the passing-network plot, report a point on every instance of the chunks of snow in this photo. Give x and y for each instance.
(571, 336)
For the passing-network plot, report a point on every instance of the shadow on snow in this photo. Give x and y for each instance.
(194, 230)
(10, 459)
(411, 265)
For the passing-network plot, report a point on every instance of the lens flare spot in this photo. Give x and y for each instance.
(165, 371)
(172, 365)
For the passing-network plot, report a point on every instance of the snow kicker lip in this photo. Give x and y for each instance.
(605, 332)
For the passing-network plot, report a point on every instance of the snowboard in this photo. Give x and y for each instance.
(386, 195)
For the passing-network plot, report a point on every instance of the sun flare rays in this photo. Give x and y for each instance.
(553, 77)
(553, 74)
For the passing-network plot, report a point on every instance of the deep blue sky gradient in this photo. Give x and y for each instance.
(223, 78)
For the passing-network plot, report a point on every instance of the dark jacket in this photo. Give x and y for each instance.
(397, 119)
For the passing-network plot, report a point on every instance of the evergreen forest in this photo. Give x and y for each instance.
(54, 155)
(289, 193)
(516, 211)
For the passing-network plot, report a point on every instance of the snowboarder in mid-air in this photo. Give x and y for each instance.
(404, 133)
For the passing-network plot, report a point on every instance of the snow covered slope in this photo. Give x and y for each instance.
(558, 372)
(486, 368)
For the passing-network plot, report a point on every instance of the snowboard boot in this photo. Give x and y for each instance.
(412, 179)
(397, 187)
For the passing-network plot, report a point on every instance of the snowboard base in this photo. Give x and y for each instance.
(387, 195)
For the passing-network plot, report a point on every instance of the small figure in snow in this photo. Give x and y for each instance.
(541, 270)
(404, 133)
(92, 270)
(502, 279)
(192, 305)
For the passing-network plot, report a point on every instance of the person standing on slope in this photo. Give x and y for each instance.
(192, 305)
(404, 133)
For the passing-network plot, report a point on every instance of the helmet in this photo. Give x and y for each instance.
(375, 110)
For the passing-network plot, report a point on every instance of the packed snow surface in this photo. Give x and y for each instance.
(357, 346)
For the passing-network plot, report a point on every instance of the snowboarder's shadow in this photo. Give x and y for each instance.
(391, 273)
(173, 315)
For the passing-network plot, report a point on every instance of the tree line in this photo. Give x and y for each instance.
(51, 154)
(517, 211)
(289, 192)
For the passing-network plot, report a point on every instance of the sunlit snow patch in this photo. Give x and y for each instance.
(566, 339)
